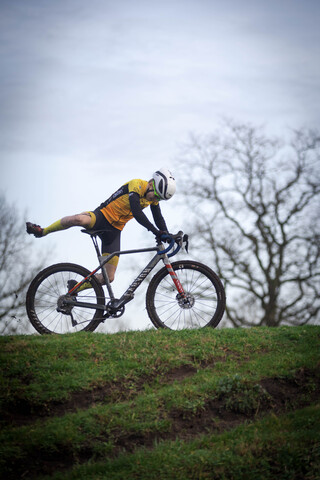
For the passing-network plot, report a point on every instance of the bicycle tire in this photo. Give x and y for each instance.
(204, 289)
(45, 290)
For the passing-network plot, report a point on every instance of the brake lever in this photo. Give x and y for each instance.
(181, 239)
(185, 240)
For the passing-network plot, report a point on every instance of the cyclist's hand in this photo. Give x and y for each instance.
(169, 237)
(161, 234)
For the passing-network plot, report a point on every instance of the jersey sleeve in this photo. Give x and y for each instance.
(136, 186)
(158, 218)
(138, 214)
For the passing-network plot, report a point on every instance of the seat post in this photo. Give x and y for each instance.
(96, 246)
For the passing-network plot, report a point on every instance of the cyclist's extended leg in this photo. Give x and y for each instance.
(110, 239)
(85, 219)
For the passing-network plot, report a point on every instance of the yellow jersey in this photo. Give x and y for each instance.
(117, 208)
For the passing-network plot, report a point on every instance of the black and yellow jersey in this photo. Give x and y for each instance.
(117, 209)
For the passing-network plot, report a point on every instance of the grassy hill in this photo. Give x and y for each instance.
(210, 404)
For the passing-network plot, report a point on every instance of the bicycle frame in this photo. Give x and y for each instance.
(114, 304)
(67, 295)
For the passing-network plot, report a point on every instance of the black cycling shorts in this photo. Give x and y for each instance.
(110, 237)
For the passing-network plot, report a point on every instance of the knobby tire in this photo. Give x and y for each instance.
(204, 289)
(45, 290)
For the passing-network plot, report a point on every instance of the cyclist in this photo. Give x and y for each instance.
(112, 215)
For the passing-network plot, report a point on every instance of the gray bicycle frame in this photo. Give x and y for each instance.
(129, 293)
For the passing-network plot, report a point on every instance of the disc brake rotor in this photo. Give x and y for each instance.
(185, 301)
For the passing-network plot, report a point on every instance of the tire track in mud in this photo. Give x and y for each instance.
(21, 413)
(281, 394)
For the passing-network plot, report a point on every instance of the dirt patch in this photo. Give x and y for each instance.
(284, 390)
(276, 395)
(178, 374)
(216, 415)
(20, 412)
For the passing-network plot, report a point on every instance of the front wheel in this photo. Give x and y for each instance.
(45, 304)
(204, 302)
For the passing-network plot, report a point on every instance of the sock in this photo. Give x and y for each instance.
(85, 286)
(55, 227)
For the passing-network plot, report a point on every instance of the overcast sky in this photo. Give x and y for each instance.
(94, 93)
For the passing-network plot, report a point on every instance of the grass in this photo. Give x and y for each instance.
(257, 451)
(225, 404)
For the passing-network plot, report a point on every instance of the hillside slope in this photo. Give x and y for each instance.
(238, 404)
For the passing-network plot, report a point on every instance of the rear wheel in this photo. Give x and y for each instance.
(47, 297)
(203, 305)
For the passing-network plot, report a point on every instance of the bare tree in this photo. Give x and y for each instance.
(18, 265)
(256, 204)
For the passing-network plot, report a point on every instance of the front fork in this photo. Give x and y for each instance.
(174, 277)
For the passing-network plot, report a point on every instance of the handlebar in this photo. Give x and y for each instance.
(175, 251)
(164, 238)
(178, 238)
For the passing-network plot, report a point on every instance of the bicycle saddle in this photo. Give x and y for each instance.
(93, 233)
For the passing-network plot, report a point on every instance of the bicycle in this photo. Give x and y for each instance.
(182, 294)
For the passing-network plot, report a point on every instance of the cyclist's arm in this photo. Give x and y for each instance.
(138, 214)
(158, 218)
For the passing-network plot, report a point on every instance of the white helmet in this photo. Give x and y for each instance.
(164, 183)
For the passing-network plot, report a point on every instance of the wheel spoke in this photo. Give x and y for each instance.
(204, 292)
(45, 298)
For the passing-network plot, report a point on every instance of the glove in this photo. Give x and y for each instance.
(159, 235)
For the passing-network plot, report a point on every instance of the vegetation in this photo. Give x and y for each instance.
(18, 266)
(207, 404)
(253, 203)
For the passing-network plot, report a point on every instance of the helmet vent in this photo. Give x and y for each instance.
(164, 183)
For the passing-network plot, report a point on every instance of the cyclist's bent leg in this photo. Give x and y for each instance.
(110, 267)
(110, 242)
(111, 270)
